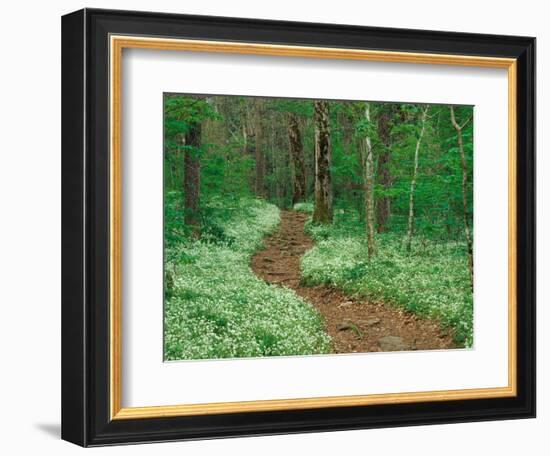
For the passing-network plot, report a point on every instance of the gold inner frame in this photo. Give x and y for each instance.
(117, 44)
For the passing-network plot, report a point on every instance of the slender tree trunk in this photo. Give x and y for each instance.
(180, 170)
(323, 185)
(259, 145)
(467, 230)
(369, 189)
(192, 176)
(383, 204)
(245, 128)
(297, 155)
(413, 181)
(249, 139)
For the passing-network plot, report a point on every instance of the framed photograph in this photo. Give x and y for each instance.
(278, 227)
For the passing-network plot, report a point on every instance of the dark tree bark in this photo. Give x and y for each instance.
(192, 178)
(383, 203)
(297, 154)
(323, 185)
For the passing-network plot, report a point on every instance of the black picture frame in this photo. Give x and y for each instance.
(85, 227)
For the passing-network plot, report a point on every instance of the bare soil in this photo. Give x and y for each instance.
(355, 325)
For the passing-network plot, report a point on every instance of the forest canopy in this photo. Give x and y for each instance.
(388, 192)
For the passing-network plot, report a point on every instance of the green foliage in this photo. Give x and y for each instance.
(304, 207)
(217, 308)
(224, 169)
(182, 112)
(289, 105)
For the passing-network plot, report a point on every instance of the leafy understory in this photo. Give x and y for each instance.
(215, 306)
(304, 207)
(431, 281)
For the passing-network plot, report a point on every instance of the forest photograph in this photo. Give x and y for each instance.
(313, 227)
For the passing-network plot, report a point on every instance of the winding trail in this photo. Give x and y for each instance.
(355, 326)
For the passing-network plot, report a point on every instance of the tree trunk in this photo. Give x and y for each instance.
(467, 231)
(192, 178)
(297, 155)
(413, 181)
(369, 189)
(383, 173)
(249, 139)
(323, 185)
(258, 151)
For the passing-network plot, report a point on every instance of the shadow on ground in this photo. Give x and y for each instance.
(51, 429)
